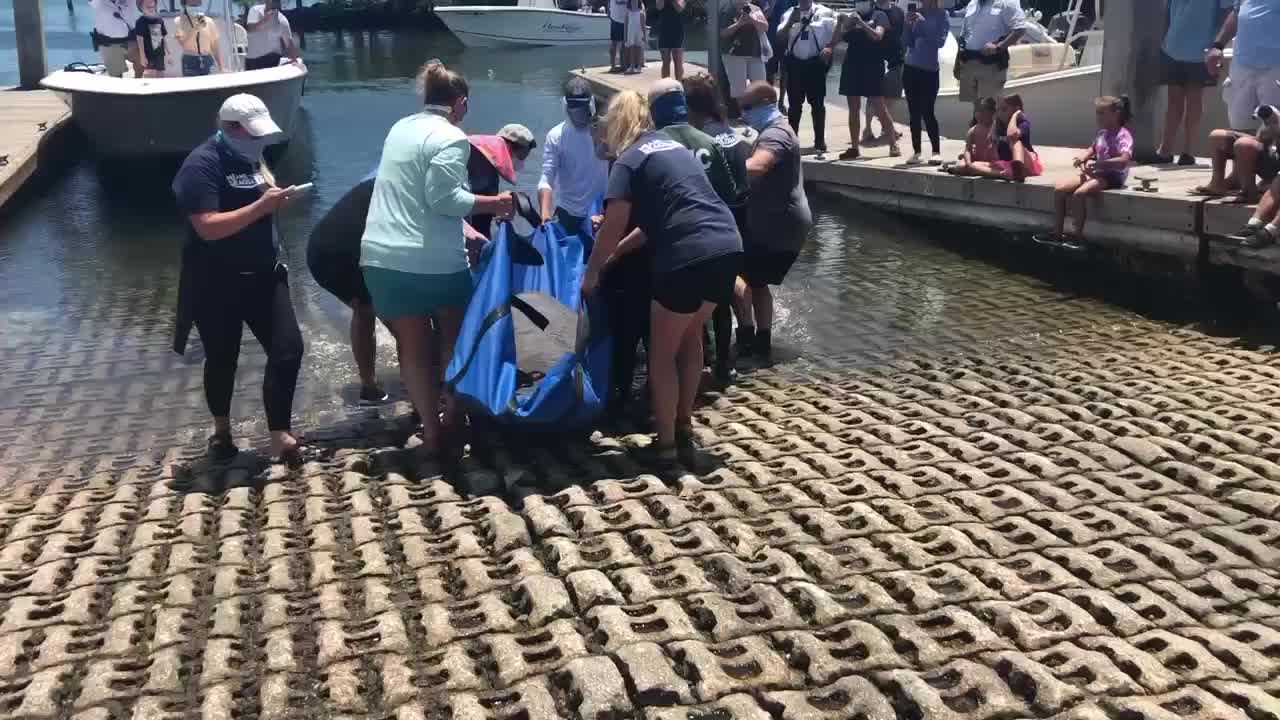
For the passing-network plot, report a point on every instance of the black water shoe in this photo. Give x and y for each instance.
(372, 394)
(1260, 239)
(222, 448)
(1187, 160)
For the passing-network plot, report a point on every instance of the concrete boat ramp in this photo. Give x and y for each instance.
(1169, 221)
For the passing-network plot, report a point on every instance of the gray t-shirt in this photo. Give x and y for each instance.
(778, 213)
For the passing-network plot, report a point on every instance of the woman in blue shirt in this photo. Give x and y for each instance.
(413, 253)
(927, 30)
(1191, 28)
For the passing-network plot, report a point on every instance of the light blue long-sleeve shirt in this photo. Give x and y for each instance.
(420, 198)
(926, 37)
(571, 170)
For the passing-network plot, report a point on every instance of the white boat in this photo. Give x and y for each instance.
(528, 23)
(170, 115)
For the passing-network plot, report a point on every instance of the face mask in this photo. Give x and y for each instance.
(249, 148)
(761, 116)
(669, 109)
(579, 116)
(517, 163)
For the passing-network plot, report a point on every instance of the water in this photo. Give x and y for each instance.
(88, 266)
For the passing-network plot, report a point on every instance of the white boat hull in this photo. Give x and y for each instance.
(487, 26)
(170, 116)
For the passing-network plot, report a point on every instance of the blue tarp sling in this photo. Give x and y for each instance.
(528, 319)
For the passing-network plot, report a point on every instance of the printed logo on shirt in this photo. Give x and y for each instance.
(245, 181)
(659, 145)
(704, 157)
(728, 140)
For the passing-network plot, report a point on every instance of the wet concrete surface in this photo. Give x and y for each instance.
(968, 493)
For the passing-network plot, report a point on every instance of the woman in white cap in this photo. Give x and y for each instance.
(231, 272)
(413, 253)
(495, 158)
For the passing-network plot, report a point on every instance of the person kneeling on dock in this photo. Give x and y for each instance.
(231, 272)
(778, 218)
(1253, 156)
(1010, 137)
(1104, 166)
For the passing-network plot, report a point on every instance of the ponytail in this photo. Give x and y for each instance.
(438, 85)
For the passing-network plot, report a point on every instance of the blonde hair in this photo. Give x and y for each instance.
(628, 119)
(438, 85)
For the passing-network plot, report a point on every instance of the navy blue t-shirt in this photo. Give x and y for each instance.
(673, 202)
(213, 178)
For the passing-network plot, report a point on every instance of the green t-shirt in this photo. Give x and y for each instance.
(704, 147)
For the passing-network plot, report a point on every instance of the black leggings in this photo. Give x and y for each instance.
(261, 301)
(921, 87)
(629, 324)
(807, 80)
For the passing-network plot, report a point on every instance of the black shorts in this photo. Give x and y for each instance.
(862, 79)
(1184, 74)
(269, 60)
(617, 32)
(1268, 161)
(762, 266)
(670, 36)
(683, 291)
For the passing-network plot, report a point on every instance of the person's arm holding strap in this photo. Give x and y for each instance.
(550, 169)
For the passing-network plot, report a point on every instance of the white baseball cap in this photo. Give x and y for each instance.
(251, 113)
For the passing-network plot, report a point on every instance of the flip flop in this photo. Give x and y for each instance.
(1206, 191)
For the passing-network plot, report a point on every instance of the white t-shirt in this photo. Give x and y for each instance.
(114, 18)
(266, 39)
(618, 11)
(804, 45)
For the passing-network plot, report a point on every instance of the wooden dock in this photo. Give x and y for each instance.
(1170, 221)
(28, 118)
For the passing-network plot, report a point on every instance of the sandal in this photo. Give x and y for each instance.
(1243, 199)
(221, 447)
(1206, 191)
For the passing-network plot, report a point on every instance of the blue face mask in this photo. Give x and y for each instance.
(761, 116)
(669, 109)
(249, 148)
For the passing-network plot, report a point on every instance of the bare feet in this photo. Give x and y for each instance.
(285, 445)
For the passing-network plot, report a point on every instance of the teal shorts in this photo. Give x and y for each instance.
(401, 294)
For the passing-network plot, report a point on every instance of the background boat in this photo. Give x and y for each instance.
(169, 115)
(529, 23)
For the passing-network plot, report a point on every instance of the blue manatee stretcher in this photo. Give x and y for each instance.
(531, 352)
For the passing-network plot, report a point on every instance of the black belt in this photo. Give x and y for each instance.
(1000, 59)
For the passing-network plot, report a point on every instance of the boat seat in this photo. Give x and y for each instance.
(239, 45)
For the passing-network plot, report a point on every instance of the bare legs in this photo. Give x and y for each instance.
(1173, 118)
(670, 57)
(1185, 107)
(675, 367)
(1079, 189)
(419, 348)
(363, 346)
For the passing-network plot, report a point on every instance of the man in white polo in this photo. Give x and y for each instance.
(990, 28)
(270, 37)
(113, 22)
(1255, 68)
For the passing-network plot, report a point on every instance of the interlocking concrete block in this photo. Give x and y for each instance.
(595, 689)
(738, 665)
(651, 672)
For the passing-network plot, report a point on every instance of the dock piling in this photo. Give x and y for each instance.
(28, 24)
(1132, 67)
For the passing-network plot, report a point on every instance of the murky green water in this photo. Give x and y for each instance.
(88, 266)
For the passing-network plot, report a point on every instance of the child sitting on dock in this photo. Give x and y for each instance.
(1104, 166)
(1012, 156)
(636, 31)
(978, 149)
